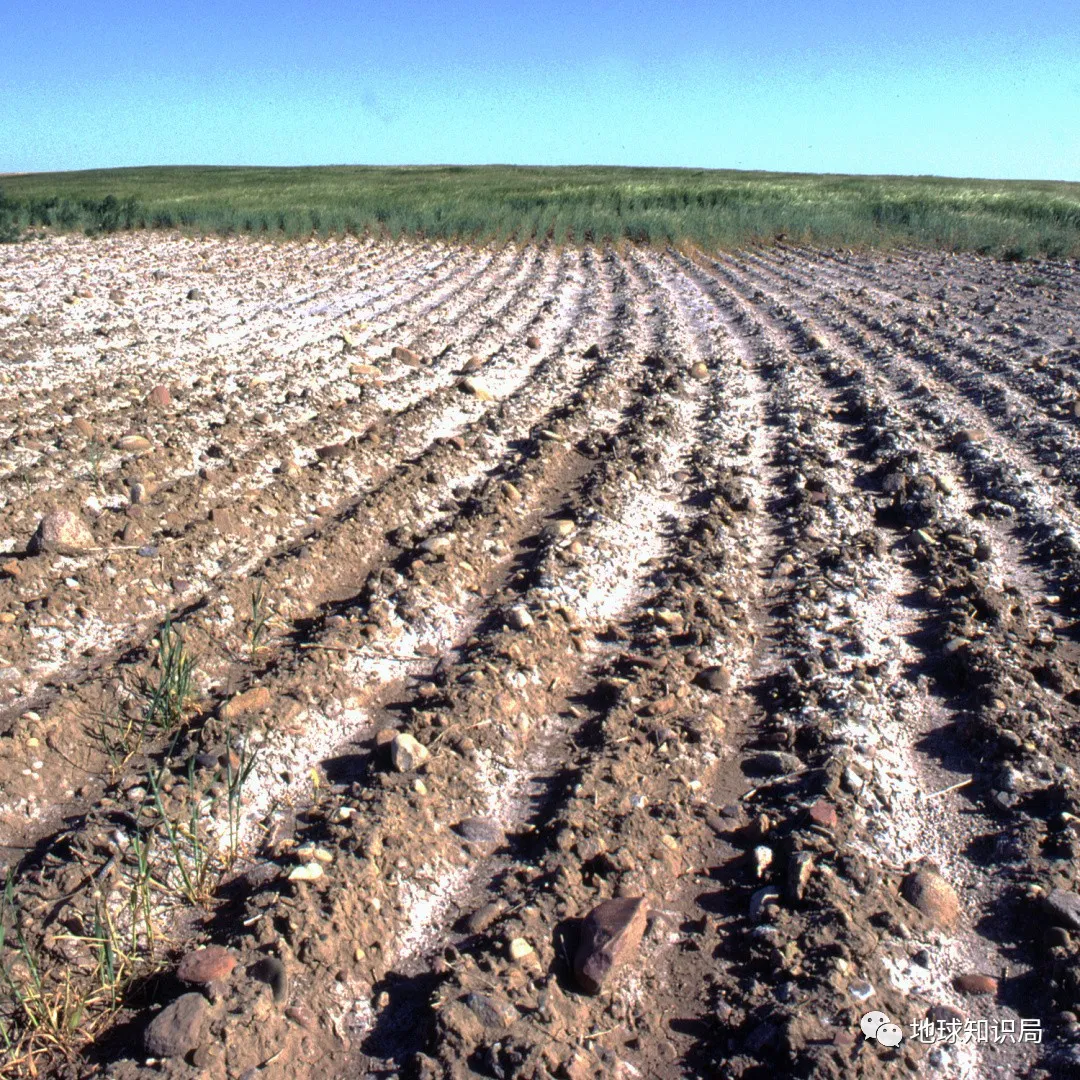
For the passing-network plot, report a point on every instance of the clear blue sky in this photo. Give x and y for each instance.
(952, 87)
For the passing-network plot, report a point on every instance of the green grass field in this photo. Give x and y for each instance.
(713, 208)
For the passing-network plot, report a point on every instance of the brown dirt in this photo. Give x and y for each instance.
(747, 585)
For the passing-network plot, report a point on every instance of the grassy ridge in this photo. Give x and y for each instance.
(710, 207)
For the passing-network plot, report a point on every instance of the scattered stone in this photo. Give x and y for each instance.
(62, 532)
(309, 871)
(823, 814)
(699, 370)
(471, 386)
(494, 1013)
(83, 427)
(221, 517)
(715, 678)
(196, 294)
(609, 935)
(967, 435)
(333, 452)
(532, 341)
(176, 1030)
(760, 902)
(481, 919)
(519, 617)
(250, 701)
(202, 966)
(407, 753)
(519, 948)
(773, 763)
(160, 396)
(135, 444)
(976, 984)
(761, 858)
(557, 530)
(944, 1014)
(1064, 908)
(474, 363)
(405, 356)
(931, 894)
(481, 830)
(592, 352)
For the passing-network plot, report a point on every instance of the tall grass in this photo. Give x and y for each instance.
(714, 208)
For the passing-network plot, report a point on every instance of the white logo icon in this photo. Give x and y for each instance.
(877, 1025)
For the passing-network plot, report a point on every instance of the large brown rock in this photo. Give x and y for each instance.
(62, 532)
(933, 896)
(176, 1030)
(160, 396)
(250, 701)
(405, 356)
(609, 936)
(204, 966)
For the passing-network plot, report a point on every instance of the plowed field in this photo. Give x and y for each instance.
(397, 604)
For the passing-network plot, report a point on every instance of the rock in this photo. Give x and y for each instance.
(176, 1030)
(478, 921)
(773, 763)
(135, 444)
(761, 900)
(405, 356)
(250, 701)
(931, 894)
(1064, 908)
(532, 341)
(519, 618)
(943, 1014)
(407, 753)
(519, 948)
(799, 868)
(481, 830)
(699, 370)
(474, 363)
(221, 517)
(714, 678)
(159, 396)
(310, 871)
(333, 452)
(557, 530)
(83, 427)
(196, 294)
(469, 385)
(202, 966)
(364, 370)
(967, 435)
(494, 1013)
(592, 352)
(62, 532)
(976, 984)
(578, 1066)
(761, 859)
(823, 814)
(609, 936)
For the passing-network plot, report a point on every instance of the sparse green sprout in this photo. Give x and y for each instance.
(260, 617)
(170, 695)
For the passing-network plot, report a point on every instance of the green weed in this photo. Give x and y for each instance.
(582, 204)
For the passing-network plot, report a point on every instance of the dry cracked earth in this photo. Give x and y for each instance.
(601, 663)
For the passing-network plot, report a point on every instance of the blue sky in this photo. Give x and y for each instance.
(962, 88)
